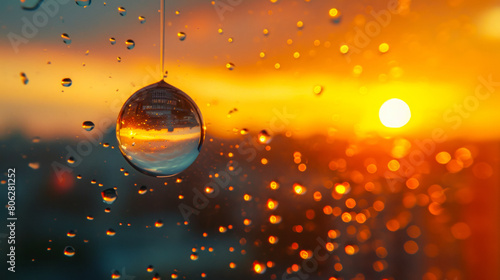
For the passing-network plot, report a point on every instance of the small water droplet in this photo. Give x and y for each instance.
(115, 275)
(181, 35)
(88, 125)
(220, 31)
(143, 190)
(264, 137)
(83, 3)
(66, 38)
(34, 165)
(159, 223)
(194, 257)
(24, 78)
(165, 75)
(35, 139)
(122, 11)
(71, 160)
(265, 31)
(157, 277)
(105, 145)
(318, 90)
(230, 66)
(109, 195)
(107, 210)
(130, 44)
(150, 268)
(71, 233)
(111, 232)
(66, 82)
(142, 19)
(244, 131)
(69, 251)
(119, 59)
(112, 40)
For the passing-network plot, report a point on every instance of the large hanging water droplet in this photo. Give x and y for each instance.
(112, 40)
(88, 125)
(109, 195)
(130, 44)
(24, 78)
(166, 128)
(66, 82)
(69, 251)
(181, 35)
(142, 19)
(66, 38)
(122, 11)
(83, 3)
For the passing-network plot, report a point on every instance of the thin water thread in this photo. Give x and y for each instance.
(162, 38)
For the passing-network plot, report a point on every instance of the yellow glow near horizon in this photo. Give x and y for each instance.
(394, 113)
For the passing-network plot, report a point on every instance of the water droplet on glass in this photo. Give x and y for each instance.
(107, 210)
(83, 3)
(71, 233)
(230, 65)
(143, 190)
(109, 195)
(34, 165)
(115, 275)
(112, 40)
(264, 137)
(36, 139)
(150, 268)
(165, 75)
(122, 11)
(159, 223)
(130, 44)
(66, 38)
(69, 251)
(71, 160)
(181, 35)
(157, 277)
(194, 257)
(142, 19)
(166, 126)
(24, 78)
(88, 125)
(66, 82)
(318, 90)
(119, 59)
(244, 131)
(110, 232)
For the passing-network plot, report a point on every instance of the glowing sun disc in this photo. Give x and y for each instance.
(394, 113)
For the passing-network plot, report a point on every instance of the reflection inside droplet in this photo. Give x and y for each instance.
(122, 11)
(88, 125)
(130, 44)
(66, 82)
(69, 251)
(66, 38)
(83, 3)
(160, 130)
(181, 35)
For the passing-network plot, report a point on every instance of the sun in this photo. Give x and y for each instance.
(394, 113)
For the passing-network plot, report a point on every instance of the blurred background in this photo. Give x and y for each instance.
(327, 192)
